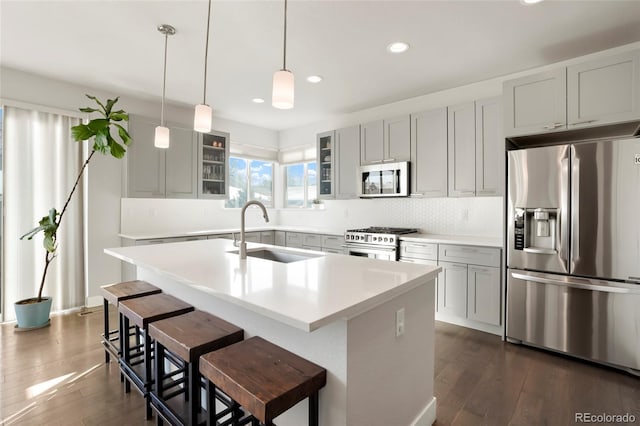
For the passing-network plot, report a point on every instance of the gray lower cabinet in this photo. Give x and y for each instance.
(429, 153)
(280, 238)
(293, 239)
(223, 236)
(483, 294)
(592, 93)
(462, 150)
(452, 289)
(161, 173)
(267, 237)
(317, 242)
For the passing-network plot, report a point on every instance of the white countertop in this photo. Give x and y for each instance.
(306, 294)
(467, 240)
(172, 234)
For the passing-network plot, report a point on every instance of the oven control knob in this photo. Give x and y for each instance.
(391, 239)
(375, 238)
(385, 239)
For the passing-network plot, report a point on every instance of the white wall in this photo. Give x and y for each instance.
(105, 173)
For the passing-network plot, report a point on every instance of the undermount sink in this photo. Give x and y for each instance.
(281, 256)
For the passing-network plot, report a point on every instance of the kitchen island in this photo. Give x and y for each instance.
(338, 311)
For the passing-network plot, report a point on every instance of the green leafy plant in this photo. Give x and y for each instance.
(103, 142)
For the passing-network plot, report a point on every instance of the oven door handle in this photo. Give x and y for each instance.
(369, 249)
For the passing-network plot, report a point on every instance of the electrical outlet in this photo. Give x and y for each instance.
(399, 322)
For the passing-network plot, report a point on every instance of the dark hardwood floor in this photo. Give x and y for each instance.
(57, 376)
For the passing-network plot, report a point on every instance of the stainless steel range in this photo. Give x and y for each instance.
(375, 242)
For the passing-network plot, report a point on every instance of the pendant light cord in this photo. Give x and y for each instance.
(206, 55)
(284, 57)
(164, 77)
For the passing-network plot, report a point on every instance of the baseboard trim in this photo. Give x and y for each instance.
(427, 416)
(94, 301)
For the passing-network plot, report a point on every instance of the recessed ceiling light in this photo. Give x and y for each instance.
(258, 100)
(530, 1)
(398, 47)
(314, 79)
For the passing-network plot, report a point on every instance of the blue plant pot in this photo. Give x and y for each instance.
(33, 315)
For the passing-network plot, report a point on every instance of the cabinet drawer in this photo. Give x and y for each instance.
(294, 239)
(267, 237)
(314, 248)
(332, 242)
(468, 254)
(334, 251)
(427, 251)
(169, 240)
(311, 240)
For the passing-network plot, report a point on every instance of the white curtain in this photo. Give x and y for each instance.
(41, 162)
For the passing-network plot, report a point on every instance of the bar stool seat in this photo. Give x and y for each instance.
(265, 379)
(135, 362)
(186, 337)
(114, 294)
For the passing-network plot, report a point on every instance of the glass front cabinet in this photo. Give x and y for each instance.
(326, 160)
(213, 165)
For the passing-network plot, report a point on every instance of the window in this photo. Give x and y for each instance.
(249, 180)
(300, 184)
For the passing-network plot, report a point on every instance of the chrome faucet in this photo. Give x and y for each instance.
(243, 243)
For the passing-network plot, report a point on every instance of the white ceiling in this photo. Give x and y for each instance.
(114, 45)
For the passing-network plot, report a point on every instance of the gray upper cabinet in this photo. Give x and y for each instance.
(429, 153)
(536, 103)
(181, 164)
(461, 147)
(386, 140)
(490, 150)
(213, 161)
(145, 162)
(604, 91)
(592, 93)
(397, 139)
(347, 161)
(372, 142)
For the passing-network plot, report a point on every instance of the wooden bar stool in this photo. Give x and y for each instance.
(265, 379)
(114, 294)
(186, 337)
(135, 362)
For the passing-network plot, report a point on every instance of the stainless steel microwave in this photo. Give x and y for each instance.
(384, 180)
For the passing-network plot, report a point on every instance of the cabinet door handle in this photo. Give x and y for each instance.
(553, 126)
(388, 160)
(375, 161)
(577, 123)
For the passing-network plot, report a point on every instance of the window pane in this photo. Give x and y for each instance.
(262, 182)
(295, 186)
(312, 190)
(237, 182)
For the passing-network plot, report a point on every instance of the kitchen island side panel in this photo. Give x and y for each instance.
(390, 378)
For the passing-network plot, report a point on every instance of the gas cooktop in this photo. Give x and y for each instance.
(377, 235)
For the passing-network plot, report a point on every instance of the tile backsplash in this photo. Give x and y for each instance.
(482, 216)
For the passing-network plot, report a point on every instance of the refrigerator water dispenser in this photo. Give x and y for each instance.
(535, 230)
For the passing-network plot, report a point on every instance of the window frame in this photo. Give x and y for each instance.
(308, 198)
(248, 188)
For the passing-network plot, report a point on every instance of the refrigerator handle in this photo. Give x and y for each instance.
(564, 207)
(575, 282)
(575, 218)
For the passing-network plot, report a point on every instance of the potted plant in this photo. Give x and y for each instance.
(34, 312)
(317, 204)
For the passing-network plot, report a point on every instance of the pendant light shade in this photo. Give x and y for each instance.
(202, 118)
(283, 89)
(162, 136)
(283, 81)
(203, 112)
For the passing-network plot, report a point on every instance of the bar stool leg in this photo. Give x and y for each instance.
(313, 409)
(159, 373)
(211, 404)
(147, 373)
(107, 336)
(125, 347)
(194, 390)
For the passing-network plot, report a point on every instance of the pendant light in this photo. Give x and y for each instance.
(202, 116)
(283, 82)
(162, 132)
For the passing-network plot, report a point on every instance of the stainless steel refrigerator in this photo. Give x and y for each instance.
(573, 250)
